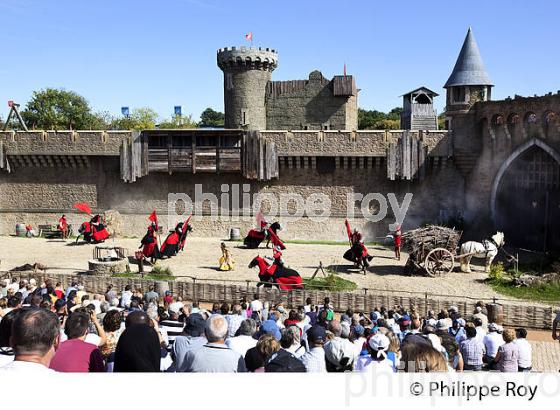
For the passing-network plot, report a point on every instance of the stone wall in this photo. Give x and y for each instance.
(353, 143)
(63, 142)
(312, 107)
(35, 197)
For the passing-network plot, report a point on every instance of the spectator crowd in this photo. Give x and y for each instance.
(48, 328)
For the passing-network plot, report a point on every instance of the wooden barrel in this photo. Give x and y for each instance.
(234, 234)
(161, 287)
(20, 230)
(495, 313)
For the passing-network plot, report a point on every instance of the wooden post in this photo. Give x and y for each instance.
(194, 290)
(141, 266)
(218, 139)
(193, 148)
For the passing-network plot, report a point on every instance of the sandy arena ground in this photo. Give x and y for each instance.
(200, 259)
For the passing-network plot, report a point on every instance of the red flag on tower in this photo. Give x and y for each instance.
(344, 69)
(249, 36)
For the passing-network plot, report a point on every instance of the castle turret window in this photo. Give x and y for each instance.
(459, 94)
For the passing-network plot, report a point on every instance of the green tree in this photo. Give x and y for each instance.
(211, 118)
(53, 108)
(441, 121)
(377, 120)
(178, 122)
(143, 118)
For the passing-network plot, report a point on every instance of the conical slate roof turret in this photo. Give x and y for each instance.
(469, 68)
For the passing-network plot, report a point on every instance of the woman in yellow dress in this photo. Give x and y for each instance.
(226, 261)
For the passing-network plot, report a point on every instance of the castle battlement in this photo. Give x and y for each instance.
(255, 57)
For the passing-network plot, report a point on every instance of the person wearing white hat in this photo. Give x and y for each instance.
(492, 342)
(340, 355)
(376, 361)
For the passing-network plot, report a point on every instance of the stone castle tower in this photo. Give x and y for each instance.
(247, 71)
(469, 82)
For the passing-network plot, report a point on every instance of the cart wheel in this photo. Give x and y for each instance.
(439, 261)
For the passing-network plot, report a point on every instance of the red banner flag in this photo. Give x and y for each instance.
(83, 207)
(348, 229)
(185, 232)
(276, 240)
(153, 217)
(249, 36)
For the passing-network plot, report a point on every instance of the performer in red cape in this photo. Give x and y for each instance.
(85, 231)
(397, 238)
(149, 243)
(170, 246)
(276, 242)
(358, 252)
(63, 226)
(256, 236)
(98, 231)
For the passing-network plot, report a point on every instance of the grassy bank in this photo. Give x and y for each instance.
(503, 281)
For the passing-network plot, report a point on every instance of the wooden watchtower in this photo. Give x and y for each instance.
(418, 110)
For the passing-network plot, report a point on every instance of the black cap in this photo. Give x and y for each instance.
(317, 334)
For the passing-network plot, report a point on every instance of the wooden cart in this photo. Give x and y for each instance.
(432, 250)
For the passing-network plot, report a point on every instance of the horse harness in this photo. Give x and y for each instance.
(487, 243)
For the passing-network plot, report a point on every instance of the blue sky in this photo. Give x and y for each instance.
(163, 53)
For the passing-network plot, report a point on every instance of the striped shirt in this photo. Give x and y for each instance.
(173, 328)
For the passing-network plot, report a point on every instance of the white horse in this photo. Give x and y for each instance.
(488, 249)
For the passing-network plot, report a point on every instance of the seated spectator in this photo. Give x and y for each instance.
(358, 339)
(340, 355)
(172, 326)
(525, 362)
(7, 354)
(126, 297)
(453, 352)
(243, 339)
(283, 361)
(256, 305)
(112, 325)
(34, 338)
(111, 294)
(234, 319)
(214, 356)
(314, 359)
(151, 295)
(492, 342)
(257, 357)
(138, 350)
(376, 360)
(420, 358)
(480, 329)
(507, 357)
(75, 355)
(269, 327)
(138, 317)
(458, 330)
(472, 350)
(191, 339)
(479, 314)
(291, 341)
(394, 350)
(60, 310)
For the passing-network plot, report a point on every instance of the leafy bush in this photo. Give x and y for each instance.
(497, 272)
